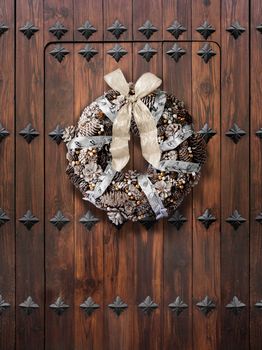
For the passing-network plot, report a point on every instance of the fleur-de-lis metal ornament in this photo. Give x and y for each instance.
(59, 306)
(118, 306)
(29, 305)
(89, 306)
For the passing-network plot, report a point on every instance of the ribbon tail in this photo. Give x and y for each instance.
(148, 133)
(119, 146)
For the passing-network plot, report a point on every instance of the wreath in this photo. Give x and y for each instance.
(98, 150)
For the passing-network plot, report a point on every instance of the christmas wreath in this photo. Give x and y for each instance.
(98, 150)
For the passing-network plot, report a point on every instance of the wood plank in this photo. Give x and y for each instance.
(30, 175)
(177, 330)
(147, 11)
(255, 176)
(206, 195)
(7, 150)
(59, 196)
(60, 12)
(88, 85)
(121, 11)
(88, 11)
(148, 245)
(206, 11)
(235, 176)
(180, 11)
(118, 251)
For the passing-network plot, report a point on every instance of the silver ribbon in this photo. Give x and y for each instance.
(152, 196)
(105, 180)
(110, 109)
(175, 140)
(88, 141)
(178, 166)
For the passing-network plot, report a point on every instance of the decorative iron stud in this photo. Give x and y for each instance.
(59, 306)
(59, 53)
(148, 305)
(28, 30)
(176, 29)
(3, 217)
(89, 306)
(206, 53)
(236, 29)
(177, 220)
(206, 132)
(117, 52)
(57, 134)
(259, 28)
(88, 52)
(118, 306)
(3, 132)
(3, 28)
(259, 133)
(3, 305)
(148, 222)
(29, 133)
(29, 305)
(147, 52)
(206, 305)
(258, 218)
(59, 220)
(58, 30)
(87, 30)
(235, 133)
(235, 220)
(117, 29)
(207, 218)
(206, 30)
(258, 305)
(147, 29)
(29, 220)
(235, 305)
(89, 220)
(178, 306)
(176, 52)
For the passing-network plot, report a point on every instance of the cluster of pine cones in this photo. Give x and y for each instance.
(124, 200)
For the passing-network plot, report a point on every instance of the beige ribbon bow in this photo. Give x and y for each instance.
(146, 124)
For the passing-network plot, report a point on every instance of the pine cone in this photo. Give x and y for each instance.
(198, 146)
(90, 127)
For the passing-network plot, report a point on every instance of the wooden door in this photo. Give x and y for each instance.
(191, 282)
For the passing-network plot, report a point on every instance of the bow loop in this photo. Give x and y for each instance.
(146, 84)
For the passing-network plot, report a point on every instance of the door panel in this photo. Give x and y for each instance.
(132, 262)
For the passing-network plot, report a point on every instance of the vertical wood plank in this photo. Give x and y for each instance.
(148, 245)
(118, 252)
(121, 11)
(206, 11)
(88, 11)
(177, 329)
(206, 195)
(7, 150)
(59, 196)
(179, 11)
(88, 85)
(235, 176)
(144, 11)
(255, 176)
(30, 175)
(60, 12)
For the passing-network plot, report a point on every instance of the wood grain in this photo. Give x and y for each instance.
(7, 171)
(234, 177)
(118, 252)
(88, 85)
(148, 244)
(59, 195)
(177, 330)
(206, 195)
(30, 177)
(255, 176)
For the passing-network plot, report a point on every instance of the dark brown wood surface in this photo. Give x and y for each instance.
(74, 263)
